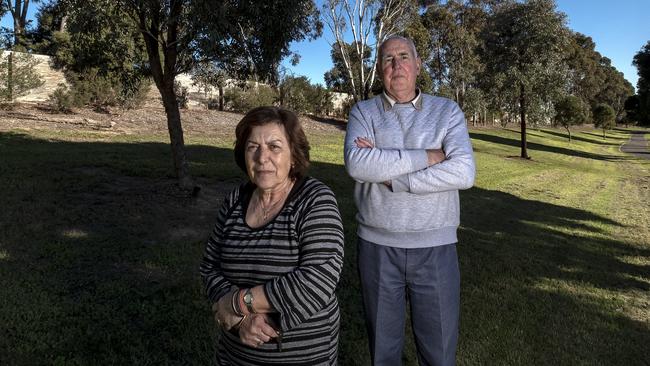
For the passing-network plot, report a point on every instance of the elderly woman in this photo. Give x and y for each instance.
(274, 258)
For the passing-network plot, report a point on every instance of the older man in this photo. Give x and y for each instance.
(409, 153)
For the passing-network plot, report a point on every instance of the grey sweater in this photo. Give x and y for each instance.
(422, 208)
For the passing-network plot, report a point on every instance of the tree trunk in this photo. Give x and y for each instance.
(176, 136)
(522, 111)
(220, 98)
(10, 77)
(162, 60)
(569, 131)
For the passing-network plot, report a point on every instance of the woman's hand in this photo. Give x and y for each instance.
(256, 330)
(223, 313)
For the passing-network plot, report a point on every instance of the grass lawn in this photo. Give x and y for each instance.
(99, 251)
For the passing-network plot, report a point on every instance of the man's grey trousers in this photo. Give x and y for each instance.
(430, 278)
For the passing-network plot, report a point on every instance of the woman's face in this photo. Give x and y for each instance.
(268, 156)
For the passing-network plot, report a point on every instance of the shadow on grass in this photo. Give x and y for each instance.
(516, 258)
(99, 264)
(532, 146)
(576, 137)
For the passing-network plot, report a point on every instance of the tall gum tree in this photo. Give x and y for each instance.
(524, 52)
(368, 22)
(18, 10)
(642, 62)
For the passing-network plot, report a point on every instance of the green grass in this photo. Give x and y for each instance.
(99, 252)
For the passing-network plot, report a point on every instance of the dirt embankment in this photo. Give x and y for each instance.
(149, 119)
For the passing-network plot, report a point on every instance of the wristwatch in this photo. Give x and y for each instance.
(248, 301)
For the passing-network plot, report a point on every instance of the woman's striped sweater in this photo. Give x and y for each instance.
(298, 256)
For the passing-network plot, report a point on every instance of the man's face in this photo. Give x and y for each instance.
(400, 69)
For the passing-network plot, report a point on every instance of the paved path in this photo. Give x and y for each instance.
(637, 145)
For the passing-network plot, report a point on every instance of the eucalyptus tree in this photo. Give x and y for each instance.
(338, 78)
(569, 111)
(524, 55)
(369, 23)
(454, 61)
(604, 117)
(18, 10)
(586, 75)
(642, 63)
(614, 90)
(250, 37)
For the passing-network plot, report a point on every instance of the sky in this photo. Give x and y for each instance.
(619, 28)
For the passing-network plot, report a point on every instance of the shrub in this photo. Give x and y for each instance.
(135, 95)
(61, 99)
(90, 88)
(17, 75)
(243, 100)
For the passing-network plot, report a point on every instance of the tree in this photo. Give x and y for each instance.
(632, 106)
(98, 43)
(338, 78)
(51, 18)
(524, 55)
(299, 95)
(454, 28)
(416, 31)
(569, 111)
(18, 75)
(642, 62)
(363, 19)
(615, 89)
(586, 75)
(604, 117)
(250, 37)
(18, 12)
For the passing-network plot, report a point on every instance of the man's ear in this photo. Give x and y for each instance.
(419, 63)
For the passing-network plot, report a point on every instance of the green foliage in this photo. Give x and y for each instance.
(632, 109)
(244, 99)
(17, 75)
(569, 111)
(453, 58)
(615, 89)
(50, 20)
(524, 50)
(90, 88)
(61, 100)
(642, 63)
(338, 78)
(604, 117)
(104, 63)
(299, 95)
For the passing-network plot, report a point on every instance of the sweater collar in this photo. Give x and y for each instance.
(389, 102)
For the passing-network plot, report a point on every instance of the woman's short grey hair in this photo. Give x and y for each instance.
(401, 38)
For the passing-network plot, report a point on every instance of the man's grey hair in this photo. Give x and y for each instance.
(401, 38)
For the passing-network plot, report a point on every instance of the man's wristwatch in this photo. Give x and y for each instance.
(248, 301)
